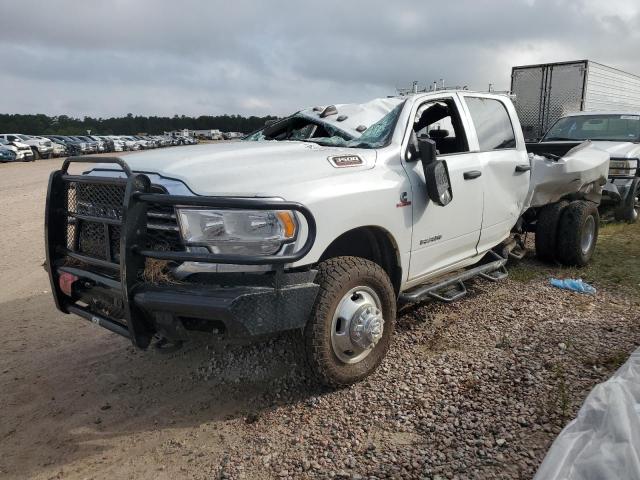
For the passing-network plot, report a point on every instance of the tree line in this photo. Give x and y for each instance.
(40, 124)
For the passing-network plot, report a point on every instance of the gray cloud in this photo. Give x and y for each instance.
(112, 57)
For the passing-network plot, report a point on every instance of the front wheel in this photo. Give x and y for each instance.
(352, 322)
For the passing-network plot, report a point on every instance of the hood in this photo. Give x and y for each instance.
(245, 168)
(619, 149)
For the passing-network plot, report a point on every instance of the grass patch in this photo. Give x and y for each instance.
(616, 261)
(526, 271)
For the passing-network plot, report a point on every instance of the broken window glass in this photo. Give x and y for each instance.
(376, 136)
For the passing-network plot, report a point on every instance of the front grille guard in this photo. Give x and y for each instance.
(133, 226)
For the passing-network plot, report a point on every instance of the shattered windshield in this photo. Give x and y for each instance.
(376, 136)
(345, 126)
(613, 128)
(297, 127)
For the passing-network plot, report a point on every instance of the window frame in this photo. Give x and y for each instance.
(462, 113)
(475, 132)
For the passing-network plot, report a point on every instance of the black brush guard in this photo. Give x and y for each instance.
(126, 282)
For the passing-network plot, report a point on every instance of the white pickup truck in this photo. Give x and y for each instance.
(617, 133)
(322, 222)
(40, 147)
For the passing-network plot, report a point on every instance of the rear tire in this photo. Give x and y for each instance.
(547, 230)
(578, 233)
(36, 154)
(352, 290)
(629, 211)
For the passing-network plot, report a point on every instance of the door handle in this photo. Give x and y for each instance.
(525, 167)
(470, 175)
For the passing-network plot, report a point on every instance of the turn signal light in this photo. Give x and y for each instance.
(66, 282)
(288, 222)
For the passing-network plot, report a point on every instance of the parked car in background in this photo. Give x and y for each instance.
(7, 153)
(118, 143)
(40, 148)
(59, 149)
(102, 147)
(232, 135)
(144, 142)
(92, 145)
(130, 143)
(617, 133)
(73, 145)
(30, 147)
(23, 150)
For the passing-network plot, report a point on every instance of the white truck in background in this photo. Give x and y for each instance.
(320, 223)
(617, 133)
(22, 150)
(40, 147)
(546, 92)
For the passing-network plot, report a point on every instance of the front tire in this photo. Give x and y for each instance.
(352, 322)
(578, 233)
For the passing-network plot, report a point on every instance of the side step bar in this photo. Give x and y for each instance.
(452, 288)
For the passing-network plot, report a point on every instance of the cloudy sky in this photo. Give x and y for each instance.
(111, 57)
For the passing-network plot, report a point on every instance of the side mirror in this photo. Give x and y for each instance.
(436, 175)
(436, 172)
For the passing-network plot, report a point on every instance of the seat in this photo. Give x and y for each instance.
(444, 143)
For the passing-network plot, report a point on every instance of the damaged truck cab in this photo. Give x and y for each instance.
(322, 223)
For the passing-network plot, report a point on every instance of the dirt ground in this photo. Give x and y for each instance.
(478, 389)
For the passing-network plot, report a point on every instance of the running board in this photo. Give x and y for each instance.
(452, 288)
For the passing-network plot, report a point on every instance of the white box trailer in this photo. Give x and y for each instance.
(546, 92)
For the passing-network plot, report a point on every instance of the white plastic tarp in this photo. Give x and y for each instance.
(603, 441)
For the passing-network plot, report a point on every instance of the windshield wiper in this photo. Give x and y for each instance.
(561, 139)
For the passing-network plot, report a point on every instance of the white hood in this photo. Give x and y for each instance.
(245, 168)
(619, 149)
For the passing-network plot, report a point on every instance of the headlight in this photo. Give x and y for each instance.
(239, 232)
(623, 167)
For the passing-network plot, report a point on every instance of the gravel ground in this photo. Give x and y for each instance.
(477, 389)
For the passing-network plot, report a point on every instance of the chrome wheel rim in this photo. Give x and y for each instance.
(357, 325)
(588, 233)
(636, 205)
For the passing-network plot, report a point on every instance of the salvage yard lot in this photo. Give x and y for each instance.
(477, 389)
